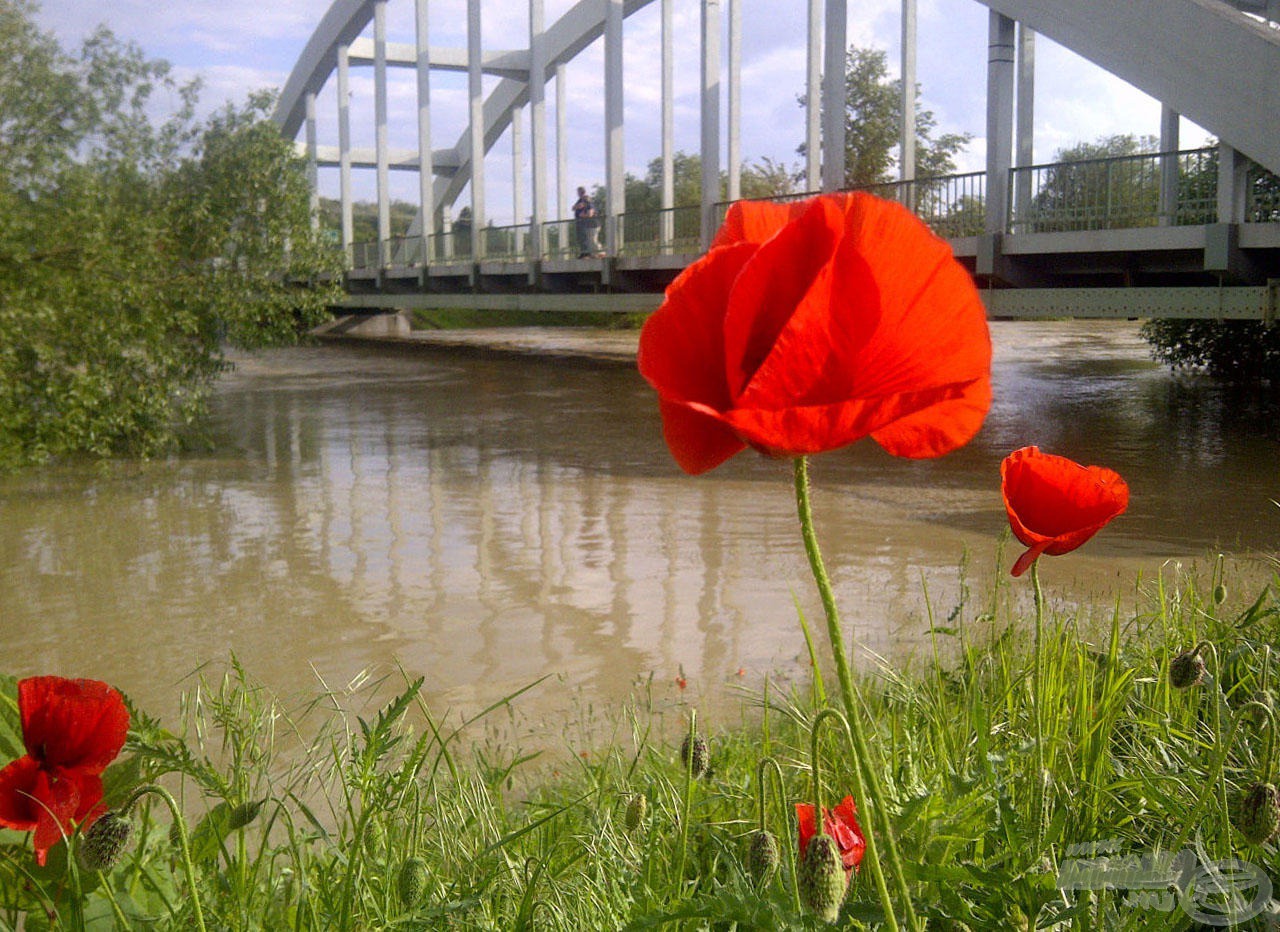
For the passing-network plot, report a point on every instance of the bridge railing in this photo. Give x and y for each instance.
(559, 240)
(666, 232)
(403, 251)
(506, 243)
(952, 205)
(1263, 200)
(1113, 193)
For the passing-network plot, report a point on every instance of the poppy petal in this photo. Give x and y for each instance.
(803, 430)
(56, 803)
(756, 221)
(72, 724)
(1023, 563)
(764, 301)
(808, 826)
(17, 789)
(1054, 504)
(697, 439)
(941, 427)
(681, 351)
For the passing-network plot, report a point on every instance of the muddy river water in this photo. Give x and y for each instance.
(484, 521)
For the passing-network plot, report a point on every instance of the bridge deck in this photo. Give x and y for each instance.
(1113, 247)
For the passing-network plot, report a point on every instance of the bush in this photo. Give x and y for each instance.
(1241, 352)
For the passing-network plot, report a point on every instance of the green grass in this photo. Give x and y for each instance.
(304, 816)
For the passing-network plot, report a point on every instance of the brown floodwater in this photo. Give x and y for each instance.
(485, 521)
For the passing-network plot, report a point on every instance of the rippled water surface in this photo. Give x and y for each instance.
(485, 521)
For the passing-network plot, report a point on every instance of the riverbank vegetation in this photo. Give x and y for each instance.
(133, 248)
(305, 815)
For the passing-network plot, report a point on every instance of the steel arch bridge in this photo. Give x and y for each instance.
(1211, 248)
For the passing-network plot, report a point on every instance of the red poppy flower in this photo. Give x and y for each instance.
(809, 326)
(72, 729)
(1055, 504)
(841, 823)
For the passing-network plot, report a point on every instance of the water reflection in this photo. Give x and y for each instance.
(484, 522)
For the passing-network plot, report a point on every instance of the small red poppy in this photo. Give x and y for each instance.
(72, 729)
(841, 823)
(811, 325)
(1055, 504)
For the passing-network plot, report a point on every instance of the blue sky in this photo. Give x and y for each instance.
(237, 46)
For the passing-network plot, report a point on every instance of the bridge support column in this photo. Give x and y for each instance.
(1025, 117)
(1000, 84)
(907, 130)
(812, 94)
(667, 232)
(735, 100)
(344, 150)
(313, 168)
(1232, 181)
(562, 153)
(833, 95)
(615, 178)
(475, 94)
(426, 168)
(1169, 128)
(537, 126)
(710, 117)
(380, 127)
(517, 174)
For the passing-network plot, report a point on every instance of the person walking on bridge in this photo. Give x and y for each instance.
(585, 225)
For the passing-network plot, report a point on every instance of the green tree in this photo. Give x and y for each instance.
(1093, 186)
(873, 108)
(132, 250)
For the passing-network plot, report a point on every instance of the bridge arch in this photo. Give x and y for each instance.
(1186, 53)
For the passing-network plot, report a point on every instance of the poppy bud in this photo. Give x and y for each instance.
(1219, 594)
(762, 857)
(1258, 813)
(821, 878)
(412, 881)
(1186, 670)
(636, 809)
(244, 813)
(694, 754)
(104, 842)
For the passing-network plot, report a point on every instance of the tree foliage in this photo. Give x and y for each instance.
(1238, 352)
(873, 117)
(132, 249)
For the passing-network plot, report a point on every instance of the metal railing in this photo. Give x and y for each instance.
(1091, 194)
(721, 208)
(559, 240)
(1114, 193)
(952, 205)
(1262, 199)
(667, 232)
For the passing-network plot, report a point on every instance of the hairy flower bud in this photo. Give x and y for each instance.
(1219, 594)
(104, 842)
(821, 878)
(762, 857)
(1258, 814)
(411, 882)
(636, 809)
(1186, 670)
(244, 813)
(694, 755)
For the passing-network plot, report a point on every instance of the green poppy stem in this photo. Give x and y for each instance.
(766, 764)
(1037, 700)
(183, 842)
(686, 800)
(871, 792)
